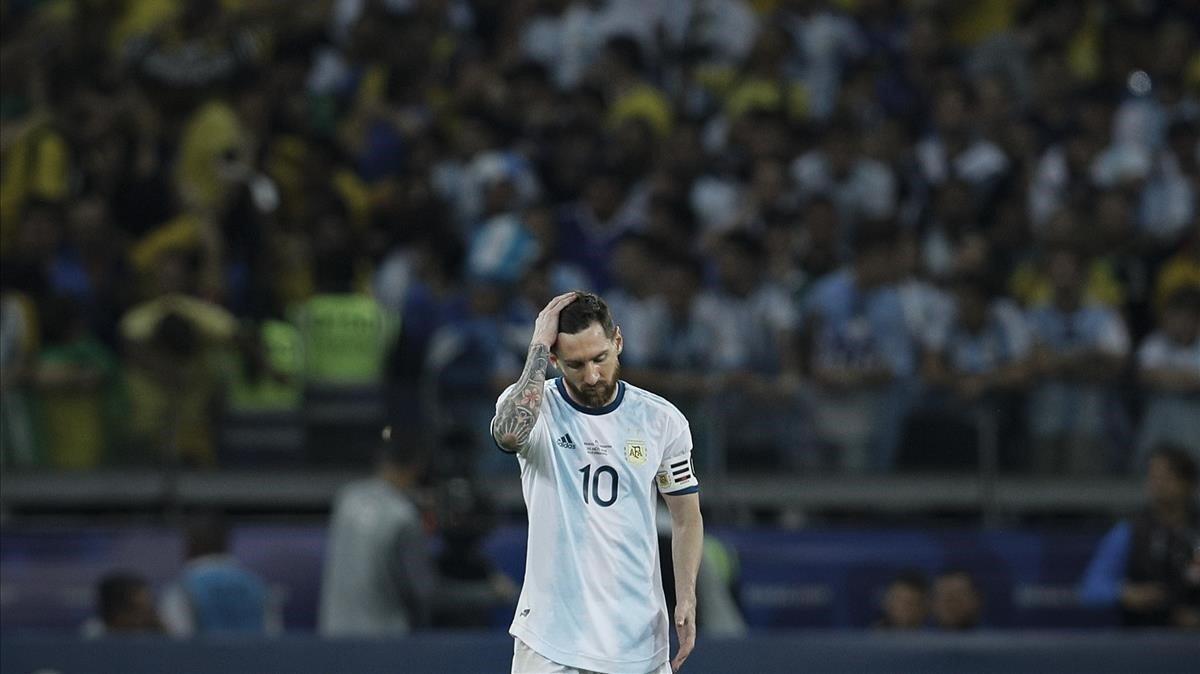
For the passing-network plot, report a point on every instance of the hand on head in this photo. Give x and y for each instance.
(545, 329)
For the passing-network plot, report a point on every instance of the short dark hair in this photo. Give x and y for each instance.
(745, 244)
(1180, 461)
(396, 450)
(911, 578)
(870, 237)
(207, 534)
(585, 309)
(114, 593)
(177, 335)
(959, 572)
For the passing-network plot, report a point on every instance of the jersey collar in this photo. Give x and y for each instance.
(562, 390)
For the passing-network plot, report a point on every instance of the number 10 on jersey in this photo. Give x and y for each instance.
(594, 486)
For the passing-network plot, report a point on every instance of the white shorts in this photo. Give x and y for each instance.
(528, 661)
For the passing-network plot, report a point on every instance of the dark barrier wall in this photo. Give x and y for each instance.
(833, 653)
(822, 578)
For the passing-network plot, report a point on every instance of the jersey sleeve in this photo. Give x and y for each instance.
(540, 433)
(676, 475)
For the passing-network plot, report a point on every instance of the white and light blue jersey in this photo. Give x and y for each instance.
(593, 596)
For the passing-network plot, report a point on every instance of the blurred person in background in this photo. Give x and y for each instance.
(754, 325)
(124, 606)
(216, 594)
(1149, 565)
(1168, 364)
(380, 578)
(1079, 354)
(905, 603)
(820, 244)
(863, 189)
(956, 602)
(346, 336)
(18, 349)
(470, 357)
(954, 149)
(1032, 282)
(1181, 270)
(77, 386)
(471, 590)
(973, 366)
(860, 354)
(176, 351)
(635, 295)
(346, 333)
(680, 361)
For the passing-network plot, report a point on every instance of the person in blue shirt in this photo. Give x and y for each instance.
(860, 354)
(215, 594)
(1076, 422)
(1149, 566)
(976, 365)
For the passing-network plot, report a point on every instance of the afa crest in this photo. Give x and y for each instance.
(635, 452)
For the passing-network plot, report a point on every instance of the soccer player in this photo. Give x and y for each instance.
(592, 450)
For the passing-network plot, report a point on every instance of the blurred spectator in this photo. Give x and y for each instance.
(861, 356)
(1149, 565)
(176, 348)
(346, 337)
(79, 393)
(821, 249)
(215, 594)
(380, 577)
(1169, 371)
(467, 362)
(270, 372)
(124, 606)
(864, 189)
(37, 165)
(1063, 174)
(346, 334)
(1031, 283)
(1080, 349)
(956, 603)
(261, 422)
(1181, 270)
(754, 325)
(905, 604)
(954, 150)
(590, 227)
(984, 355)
(470, 588)
(634, 300)
(18, 346)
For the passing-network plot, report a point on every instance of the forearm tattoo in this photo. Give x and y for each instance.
(518, 412)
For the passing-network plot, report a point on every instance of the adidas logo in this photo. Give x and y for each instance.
(566, 442)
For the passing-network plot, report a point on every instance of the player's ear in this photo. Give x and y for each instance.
(618, 339)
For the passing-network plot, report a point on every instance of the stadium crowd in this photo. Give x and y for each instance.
(844, 235)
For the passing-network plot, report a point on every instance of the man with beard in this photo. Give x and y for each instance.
(592, 448)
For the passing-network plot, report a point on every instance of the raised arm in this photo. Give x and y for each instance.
(518, 412)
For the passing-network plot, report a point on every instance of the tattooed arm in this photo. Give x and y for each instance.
(517, 412)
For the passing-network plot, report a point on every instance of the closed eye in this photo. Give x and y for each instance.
(576, 364)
